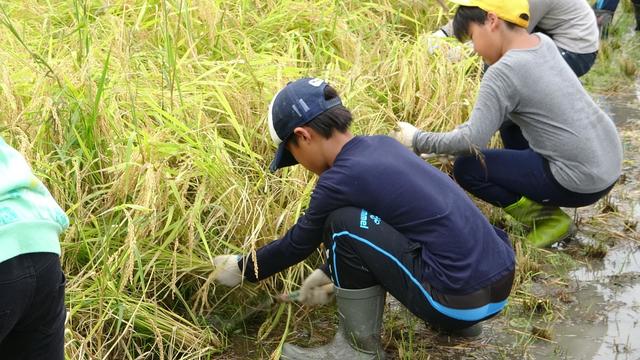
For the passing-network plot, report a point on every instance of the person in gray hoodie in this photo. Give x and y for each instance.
(568, 152)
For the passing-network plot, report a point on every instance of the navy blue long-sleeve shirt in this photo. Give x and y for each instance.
(462, 251)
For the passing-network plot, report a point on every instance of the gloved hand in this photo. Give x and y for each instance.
(226, 270)
(404, 133)
(317, 289)
(437, 43)
(443, 159)
(433, 42)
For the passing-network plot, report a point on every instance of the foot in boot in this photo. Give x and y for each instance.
(358, 337)
(548, 224)
(338, 349)
(554, 227)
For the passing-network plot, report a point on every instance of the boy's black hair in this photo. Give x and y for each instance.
(338, 118)
(465, 15)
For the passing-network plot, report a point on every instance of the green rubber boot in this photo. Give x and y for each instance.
(358, 336)
(547, 224)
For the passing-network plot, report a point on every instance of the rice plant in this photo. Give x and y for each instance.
(147, 121)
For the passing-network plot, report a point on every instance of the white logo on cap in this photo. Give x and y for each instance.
(316, 82)
(304, 105)
(295, 108)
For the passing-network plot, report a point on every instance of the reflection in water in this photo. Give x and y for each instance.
(603, 322)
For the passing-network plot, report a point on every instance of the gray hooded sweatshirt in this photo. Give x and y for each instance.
(539, 92)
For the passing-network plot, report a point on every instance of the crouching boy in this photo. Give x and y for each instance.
(563, 151)
(390, 223)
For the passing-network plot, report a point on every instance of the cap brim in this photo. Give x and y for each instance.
(283, 158)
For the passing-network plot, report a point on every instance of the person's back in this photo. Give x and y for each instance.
(570, 23)
(461, 250)
(557, 116)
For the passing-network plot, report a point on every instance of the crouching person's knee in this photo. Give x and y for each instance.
(339, 220)
(465, 171)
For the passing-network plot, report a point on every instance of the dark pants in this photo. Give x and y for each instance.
(502, 176)
(32, 311)
(362, 256)
(579, 63)
(610, 5)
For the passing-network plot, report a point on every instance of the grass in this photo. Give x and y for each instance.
(616, 66)
(147, 121)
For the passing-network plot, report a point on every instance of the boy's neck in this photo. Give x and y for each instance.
(333, 145)
(518, 39)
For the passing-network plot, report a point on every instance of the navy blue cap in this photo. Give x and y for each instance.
(295, 105)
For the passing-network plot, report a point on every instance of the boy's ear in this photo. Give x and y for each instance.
(303, 134)
(492, 20)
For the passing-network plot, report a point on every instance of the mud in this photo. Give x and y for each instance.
(603, 320)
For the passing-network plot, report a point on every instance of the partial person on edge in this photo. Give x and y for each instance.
(605, 10)
(32, 311)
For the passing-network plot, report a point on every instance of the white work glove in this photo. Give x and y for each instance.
(433, 42)
(317, 289)
(404, 133)
(226, 270)
(437, 43)
(441, 158)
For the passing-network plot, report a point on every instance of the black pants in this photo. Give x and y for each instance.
(32, 311)
(365, 251)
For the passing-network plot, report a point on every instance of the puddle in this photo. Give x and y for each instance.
(623, 108)
(604, 320)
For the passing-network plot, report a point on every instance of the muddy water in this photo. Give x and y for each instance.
(603, 320)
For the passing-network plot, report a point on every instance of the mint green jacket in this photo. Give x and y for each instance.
(30, 219)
